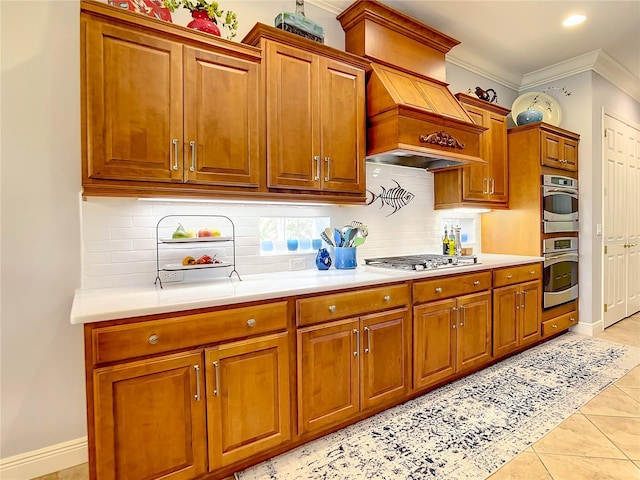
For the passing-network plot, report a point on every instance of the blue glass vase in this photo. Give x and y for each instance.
(529, 116)
(323, 259)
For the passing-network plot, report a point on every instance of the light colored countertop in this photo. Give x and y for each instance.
(114, 303)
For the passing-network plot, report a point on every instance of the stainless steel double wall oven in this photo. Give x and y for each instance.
(560, 216)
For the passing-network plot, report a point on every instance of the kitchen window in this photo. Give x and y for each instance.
(291, 235)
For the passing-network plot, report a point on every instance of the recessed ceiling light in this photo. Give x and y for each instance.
(573, 20)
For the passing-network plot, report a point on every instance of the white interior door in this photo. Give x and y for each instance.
(621, 219)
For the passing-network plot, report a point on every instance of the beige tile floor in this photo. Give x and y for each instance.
(599, 442)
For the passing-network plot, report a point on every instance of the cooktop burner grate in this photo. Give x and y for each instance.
(421, 262)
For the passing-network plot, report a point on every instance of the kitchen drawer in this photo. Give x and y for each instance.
(340, 305)
(559, 324)
(159, 336)
(512, 275)
(445, 287)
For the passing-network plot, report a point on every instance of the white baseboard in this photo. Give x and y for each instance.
(45, 460)
(589, 329)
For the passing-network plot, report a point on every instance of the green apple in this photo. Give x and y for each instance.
(180, 232)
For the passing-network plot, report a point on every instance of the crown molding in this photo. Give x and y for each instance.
(325, 6)
(480, 66)
(598, 61)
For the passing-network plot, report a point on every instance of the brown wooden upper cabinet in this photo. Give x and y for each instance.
(559, 151)
(315, 102)
(549, 145)
(479, 185)
(159, 113)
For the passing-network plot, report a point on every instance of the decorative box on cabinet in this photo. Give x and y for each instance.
(315, 101)
(451, 326)
(155, 413)
(517, 307)
(351, 364)
(479, 185)
(166, 110)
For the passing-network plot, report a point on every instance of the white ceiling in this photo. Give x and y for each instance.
(512, 39)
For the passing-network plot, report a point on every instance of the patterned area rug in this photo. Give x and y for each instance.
(466, 429)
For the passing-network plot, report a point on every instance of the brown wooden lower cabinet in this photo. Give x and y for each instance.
(450, 336)
(516, 316)
(247, 398)
(351, 365)
(151, 420)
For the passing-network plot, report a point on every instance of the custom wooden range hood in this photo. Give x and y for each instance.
(412, 117)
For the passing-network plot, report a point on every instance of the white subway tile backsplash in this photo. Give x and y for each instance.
(119, 235)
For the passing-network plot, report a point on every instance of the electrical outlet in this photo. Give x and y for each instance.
(598, 229)
(297, 264)
(171, 276)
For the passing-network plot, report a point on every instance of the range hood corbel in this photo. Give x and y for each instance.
(412, 117)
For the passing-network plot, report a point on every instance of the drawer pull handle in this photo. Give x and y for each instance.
(509, 277)
(175, 154)
(476, 283)
(216, 366)
(251, 322)
(438, 289)
(572, 320)
(192, 144)
(153, 339)
(368, 347)
(387, 298)
(554, 326)
(357, 334)
(197, 370)
(532, 272)
(332, 308)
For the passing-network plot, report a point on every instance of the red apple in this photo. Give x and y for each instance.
(204, 233)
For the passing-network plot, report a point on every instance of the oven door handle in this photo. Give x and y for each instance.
(564, 257)
(571, 193)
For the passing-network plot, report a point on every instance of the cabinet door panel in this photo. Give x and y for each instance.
(151, 424)
(570, 152)
(474, 331)
(134, 100)
(551, 150)
(248, 398)
(499, 163)
(293, 113)
(343, 126)
(327, 374)
(383, 357)
(221, 116)
(530, 306)
(505, 324)
(434, 342)
(475, 177)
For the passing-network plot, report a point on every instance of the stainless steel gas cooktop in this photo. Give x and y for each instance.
(421, 262)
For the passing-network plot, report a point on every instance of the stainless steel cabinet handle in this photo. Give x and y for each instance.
(175, 154)
(153, 339)
(509, 277)
(357, 334)
(554, 326)
(493, 185)
(332, 308)
(192, 144)
(571, 319)
(251, 322)
(476, 283)
(532, 272)
(197, 395)
(316, 159)
(368, 347)
(485, 186)
(327, 160)
(464, 316)
(387, 298)
(438, 289)
(216, 367)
